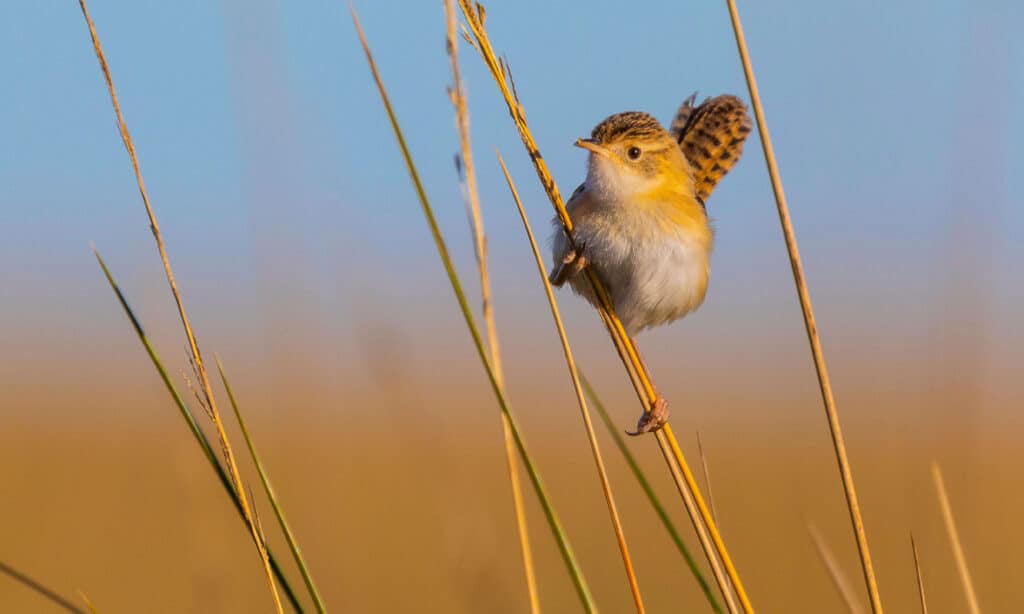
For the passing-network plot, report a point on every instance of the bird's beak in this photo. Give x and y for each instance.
(593, 146)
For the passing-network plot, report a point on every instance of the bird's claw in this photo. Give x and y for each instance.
(572, 263)
(652, 420)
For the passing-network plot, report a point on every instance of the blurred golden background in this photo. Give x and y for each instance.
(306, 266)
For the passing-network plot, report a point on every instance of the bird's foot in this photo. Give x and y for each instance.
(652, 420)
(573, 262)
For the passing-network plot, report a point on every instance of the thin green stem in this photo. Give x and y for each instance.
(193, 426)
(645, 485)
(293, 545)
(549, 513)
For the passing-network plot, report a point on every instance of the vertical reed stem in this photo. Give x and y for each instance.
(458, 98)
(570, 362)
(808, 312)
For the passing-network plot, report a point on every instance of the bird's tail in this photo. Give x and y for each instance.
(711, 136)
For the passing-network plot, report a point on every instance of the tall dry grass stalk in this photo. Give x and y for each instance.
(835, 572)
(595, 448)
(707, 477)
(197, 358)
(568, 556)
(40, 589)
(954, 539)
(268, 488)
(699, 514)
(193, 425)
(652, 497)
(832, 413)
(917, 574)
(458, 99)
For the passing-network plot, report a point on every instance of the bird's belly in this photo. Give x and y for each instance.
(652, 280)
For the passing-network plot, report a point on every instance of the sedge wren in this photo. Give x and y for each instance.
(639, 218)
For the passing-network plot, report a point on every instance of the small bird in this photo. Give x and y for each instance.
(639, 218)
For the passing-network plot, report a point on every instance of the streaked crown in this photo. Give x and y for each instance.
(635, 125)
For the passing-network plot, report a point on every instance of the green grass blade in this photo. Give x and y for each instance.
(192, 424)
(634, 466)
(39, 588)
(549, 513)
(269, 489)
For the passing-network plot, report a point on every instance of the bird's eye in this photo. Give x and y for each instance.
(633, 153)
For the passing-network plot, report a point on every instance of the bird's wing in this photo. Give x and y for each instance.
(711, 136)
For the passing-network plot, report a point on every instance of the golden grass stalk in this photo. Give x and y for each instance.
(652, 497)
(568, 557)
(707, 477)
(204, 379)
(268, 488)
(917, 573)
(683, 477)
(686, 485)
(954, 540)
(835, 572)
(39, 588)
(88, 602)
(193, 426)
(458, 98)
(606, 487)
(808, 312)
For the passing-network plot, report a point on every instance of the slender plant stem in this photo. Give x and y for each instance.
(204, 379)
(684, 486)
(458, 98)
(40, 588)
(582, 590)
(824, 383)
(645, 485)
(917, 573)
(293, 544)
(839, 579)
(193, 426)
(954, 540)
(707, 477)
(581, 399)
(474, 14)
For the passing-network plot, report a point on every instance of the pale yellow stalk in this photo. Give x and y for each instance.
(832, 413)
(204, 379)
(458, 98)
(606, 487)
(683, 477)
(954, 540)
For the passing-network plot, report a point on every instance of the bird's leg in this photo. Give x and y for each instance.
(657, 415)
(572, 263)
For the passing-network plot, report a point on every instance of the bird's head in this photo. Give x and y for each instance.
(631, 154)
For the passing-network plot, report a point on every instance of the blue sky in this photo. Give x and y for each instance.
(273, 171)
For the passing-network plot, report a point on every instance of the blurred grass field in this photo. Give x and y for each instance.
(377, 425)
(402, 504)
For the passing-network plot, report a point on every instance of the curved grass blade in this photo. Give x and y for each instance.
(193, 426)
(645, 485)
(269, 489)
(569, 558)
(40, 588)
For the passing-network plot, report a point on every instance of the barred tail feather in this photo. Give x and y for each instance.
(711, 136)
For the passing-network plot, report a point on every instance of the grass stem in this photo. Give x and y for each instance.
(917, 574)
(832, 413)
(268, 488)
(193, 426)
(458, 99)
(606, 487)
(645, 485)
(568, 556)
(197, 359)
(954, 539)
(714, 547)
